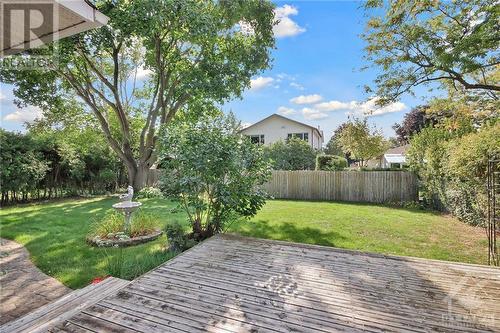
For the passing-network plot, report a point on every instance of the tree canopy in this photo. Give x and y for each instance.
(362, 142)
(153, 59)
(293, 154)
(213, 171)
(418, 42)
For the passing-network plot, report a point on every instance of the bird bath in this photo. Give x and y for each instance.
(127, 206)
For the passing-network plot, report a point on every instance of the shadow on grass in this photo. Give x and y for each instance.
(288, 232)
(415, 209)
(54, 234)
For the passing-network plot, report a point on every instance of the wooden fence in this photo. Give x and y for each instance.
(153, 177)
(357, 186)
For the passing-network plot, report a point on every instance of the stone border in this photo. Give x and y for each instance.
(98, 242)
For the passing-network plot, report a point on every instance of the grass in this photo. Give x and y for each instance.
(372, 228)
(54, 234)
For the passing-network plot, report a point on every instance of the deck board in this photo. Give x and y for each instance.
(235, 284)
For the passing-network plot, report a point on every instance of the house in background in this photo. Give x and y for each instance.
(275, 128)
(392, 158)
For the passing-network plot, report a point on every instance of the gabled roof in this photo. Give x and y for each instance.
(320, 133)
(401, 150)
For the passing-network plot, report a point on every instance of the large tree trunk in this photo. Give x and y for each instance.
(137, 175)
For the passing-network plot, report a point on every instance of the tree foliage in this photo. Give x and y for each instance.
(56, 164)
(330, 162)
(293, 154)
(196, 54)
(451, 163)
(362, 142)
(413, 122)
(419, 42)
(213, 171)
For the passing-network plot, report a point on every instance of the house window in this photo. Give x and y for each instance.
(302, 136)
(258, 139)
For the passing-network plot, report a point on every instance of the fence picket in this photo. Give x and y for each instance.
(360, 186)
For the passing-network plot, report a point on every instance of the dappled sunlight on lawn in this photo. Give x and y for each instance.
(54, 232)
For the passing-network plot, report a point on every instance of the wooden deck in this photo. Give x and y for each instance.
(52, 314)
(235, 284)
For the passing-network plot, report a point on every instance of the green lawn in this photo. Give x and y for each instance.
(54, 233)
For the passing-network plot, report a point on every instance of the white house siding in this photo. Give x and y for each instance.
(277, 128)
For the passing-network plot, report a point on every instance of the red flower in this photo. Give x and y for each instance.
(99, 279)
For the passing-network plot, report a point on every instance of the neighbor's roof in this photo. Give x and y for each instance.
(320, 133)
(70, 17)
(393, 158)
(398, 150)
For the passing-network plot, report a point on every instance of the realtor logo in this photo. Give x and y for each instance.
(27, 25)
(464, 301)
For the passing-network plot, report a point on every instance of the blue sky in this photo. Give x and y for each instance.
(320, 59)
(315, 78)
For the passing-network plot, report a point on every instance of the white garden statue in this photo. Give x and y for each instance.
(129, 195)
(127, 206)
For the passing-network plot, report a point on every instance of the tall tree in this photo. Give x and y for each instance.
(413, 122)
(362, 142)
(418, 42)
(333, 147)
(195, 52)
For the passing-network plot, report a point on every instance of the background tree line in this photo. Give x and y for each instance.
(56, 164)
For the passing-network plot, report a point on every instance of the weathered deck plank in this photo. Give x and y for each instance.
(235, 284)
(56, 312)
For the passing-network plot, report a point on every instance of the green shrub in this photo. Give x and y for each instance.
(143, 224)
(118, 266)
(178, 240)
(330, 162)
(452, 166)
(216, 172)
(293, 154)
(150, 192)
(113, 223)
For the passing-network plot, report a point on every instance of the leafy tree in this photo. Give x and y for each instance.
(213, 171)
(469, 155)
(196, 52)
(451, 165)
(427, 156)
(419, 42)
(293, 154)
(330, 162)
(333, 147)
(413, 122)
(56, 163)
(22, 166)
(361, 142)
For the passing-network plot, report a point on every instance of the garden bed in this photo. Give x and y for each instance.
(123, 242)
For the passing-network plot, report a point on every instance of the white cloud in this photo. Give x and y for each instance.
(143, 73)
(286, 26)
(333, 106)
(283, 110)
(313, 114)
(260, 82)
(306, 99)
(27, 114)
(367, 108)
(296, 86)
